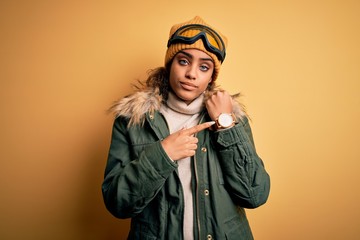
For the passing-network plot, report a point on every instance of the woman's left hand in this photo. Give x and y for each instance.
(219, 102)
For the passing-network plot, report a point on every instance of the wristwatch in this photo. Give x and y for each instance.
(225, 120)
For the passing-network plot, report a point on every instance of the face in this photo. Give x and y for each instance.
(190, 73)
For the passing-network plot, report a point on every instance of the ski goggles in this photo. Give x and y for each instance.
(189, 34)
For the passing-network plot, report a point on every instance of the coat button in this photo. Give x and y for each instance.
(209, 237)
(206, 191)
(203, 149)
(151, 116)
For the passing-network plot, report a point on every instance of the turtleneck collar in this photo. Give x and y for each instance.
(178, 105)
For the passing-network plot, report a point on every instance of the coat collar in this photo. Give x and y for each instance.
(136, 106)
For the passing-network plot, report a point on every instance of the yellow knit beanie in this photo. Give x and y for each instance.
(173, 49)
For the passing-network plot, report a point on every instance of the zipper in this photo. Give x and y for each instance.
(197, 197)
(197, 189)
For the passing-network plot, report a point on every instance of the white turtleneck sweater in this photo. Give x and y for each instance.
(180, 115)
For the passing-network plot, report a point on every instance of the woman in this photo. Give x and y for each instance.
(182, 162)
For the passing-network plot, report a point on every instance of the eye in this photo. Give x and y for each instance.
(204, 68)
(183, 62)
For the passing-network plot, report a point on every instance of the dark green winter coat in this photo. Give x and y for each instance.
(141, 181)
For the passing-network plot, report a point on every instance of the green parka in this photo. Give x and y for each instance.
(141, 181)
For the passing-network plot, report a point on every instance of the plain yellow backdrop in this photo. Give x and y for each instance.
(62, 63)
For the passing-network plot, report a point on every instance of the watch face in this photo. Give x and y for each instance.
(225, 120)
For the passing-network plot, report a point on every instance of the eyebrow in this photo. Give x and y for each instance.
(191, 56)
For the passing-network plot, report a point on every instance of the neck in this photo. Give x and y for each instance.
(177, 104)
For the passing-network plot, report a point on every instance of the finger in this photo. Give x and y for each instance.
(190, 153)
(193, 146)
(194, 140)
(199, 128)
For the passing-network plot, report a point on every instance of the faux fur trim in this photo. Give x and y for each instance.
(135, 106)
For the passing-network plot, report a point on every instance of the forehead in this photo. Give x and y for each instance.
(196, 53)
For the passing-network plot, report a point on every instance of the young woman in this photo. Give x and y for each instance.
(182, 162)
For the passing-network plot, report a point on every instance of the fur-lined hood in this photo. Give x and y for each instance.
(135, 106)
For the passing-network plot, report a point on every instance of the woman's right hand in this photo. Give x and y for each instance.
(183, 143)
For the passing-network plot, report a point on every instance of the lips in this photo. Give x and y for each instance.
(188, 86)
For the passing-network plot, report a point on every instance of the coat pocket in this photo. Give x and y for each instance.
(238, 228)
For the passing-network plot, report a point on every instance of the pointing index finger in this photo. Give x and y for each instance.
(199, 128)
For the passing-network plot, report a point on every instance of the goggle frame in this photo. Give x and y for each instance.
(176, 38)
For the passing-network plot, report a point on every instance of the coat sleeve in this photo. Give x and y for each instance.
(130, 184)
(244, 173)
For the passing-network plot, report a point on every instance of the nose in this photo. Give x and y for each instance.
(191, 72)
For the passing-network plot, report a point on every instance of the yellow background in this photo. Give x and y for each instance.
(62, 63)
